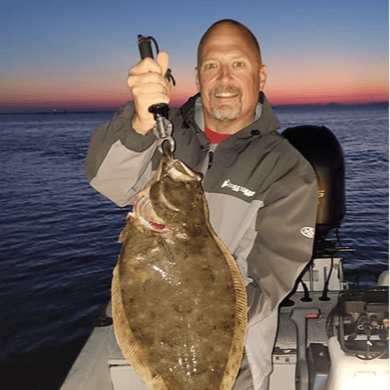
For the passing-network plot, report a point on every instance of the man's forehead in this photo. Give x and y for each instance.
(226, 33)
(228, 38)
(226, 50)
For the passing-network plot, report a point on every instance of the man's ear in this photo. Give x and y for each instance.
(197, 79)
(263, 73)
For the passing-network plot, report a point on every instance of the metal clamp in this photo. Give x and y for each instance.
(163, 132)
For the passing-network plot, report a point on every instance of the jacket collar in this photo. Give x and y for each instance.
(265, 121)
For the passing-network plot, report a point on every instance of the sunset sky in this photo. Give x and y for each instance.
(75, 55)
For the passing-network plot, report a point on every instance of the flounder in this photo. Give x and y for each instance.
(179, 302)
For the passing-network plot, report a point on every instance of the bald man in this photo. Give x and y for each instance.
(261, 192)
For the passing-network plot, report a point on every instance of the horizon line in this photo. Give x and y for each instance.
(283, 105)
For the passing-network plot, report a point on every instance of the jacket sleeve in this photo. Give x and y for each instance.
(285, 228)
(118, 161)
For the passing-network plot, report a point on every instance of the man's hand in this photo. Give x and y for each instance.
(148, 86)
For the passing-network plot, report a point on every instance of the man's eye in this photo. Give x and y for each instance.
(238, 64)
(210, 66)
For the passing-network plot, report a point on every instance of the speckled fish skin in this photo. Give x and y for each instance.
(178, 289)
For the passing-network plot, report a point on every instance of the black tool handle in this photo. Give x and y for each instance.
(145, 50)
(145, 47)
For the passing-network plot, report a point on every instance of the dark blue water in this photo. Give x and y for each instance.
(58, 236)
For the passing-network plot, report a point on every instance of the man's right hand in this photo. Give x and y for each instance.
(148, 86)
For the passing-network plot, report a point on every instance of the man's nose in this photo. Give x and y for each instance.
(224, 72)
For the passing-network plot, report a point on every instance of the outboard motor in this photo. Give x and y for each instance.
(357, 328)
(322, 149)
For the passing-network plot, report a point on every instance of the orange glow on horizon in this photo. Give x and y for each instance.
(111, 98)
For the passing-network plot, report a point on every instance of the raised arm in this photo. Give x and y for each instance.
(118, 161)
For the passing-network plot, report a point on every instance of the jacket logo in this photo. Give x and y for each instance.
(237, 188)
(308, 232)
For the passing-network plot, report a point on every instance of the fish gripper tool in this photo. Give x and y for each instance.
(163, 127)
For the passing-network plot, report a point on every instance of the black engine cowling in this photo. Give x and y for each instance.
(322, 149)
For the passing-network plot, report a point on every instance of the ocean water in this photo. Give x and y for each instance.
(59, 237)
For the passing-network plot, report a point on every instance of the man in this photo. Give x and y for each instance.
(261, 192)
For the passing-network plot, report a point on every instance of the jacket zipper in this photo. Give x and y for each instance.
(211, 155)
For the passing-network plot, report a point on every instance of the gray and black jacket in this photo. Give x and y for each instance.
(261, 192)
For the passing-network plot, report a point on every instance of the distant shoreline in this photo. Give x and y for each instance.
(292, 106)
(375, 104)
(65, 112)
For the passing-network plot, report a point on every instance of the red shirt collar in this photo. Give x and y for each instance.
(214, 137)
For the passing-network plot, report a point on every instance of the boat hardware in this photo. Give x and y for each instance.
(299, 316)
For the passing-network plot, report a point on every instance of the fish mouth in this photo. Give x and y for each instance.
(143, 209)
(153, 226)
(181, 172)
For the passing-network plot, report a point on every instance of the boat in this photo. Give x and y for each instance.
(329, 337)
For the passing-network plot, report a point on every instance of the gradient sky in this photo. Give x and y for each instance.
(75, 55)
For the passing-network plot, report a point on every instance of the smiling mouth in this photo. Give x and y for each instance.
(225, 95)
(225, 92)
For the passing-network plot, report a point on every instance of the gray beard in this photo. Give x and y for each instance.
(225, 114)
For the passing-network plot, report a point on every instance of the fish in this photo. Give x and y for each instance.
(178, 299)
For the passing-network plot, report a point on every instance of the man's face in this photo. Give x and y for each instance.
(230, 77)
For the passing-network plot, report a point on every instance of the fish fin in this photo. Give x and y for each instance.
(134, 353)
(238, 343)
(124, 233)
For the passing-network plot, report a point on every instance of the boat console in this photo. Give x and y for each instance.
(329, 337)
